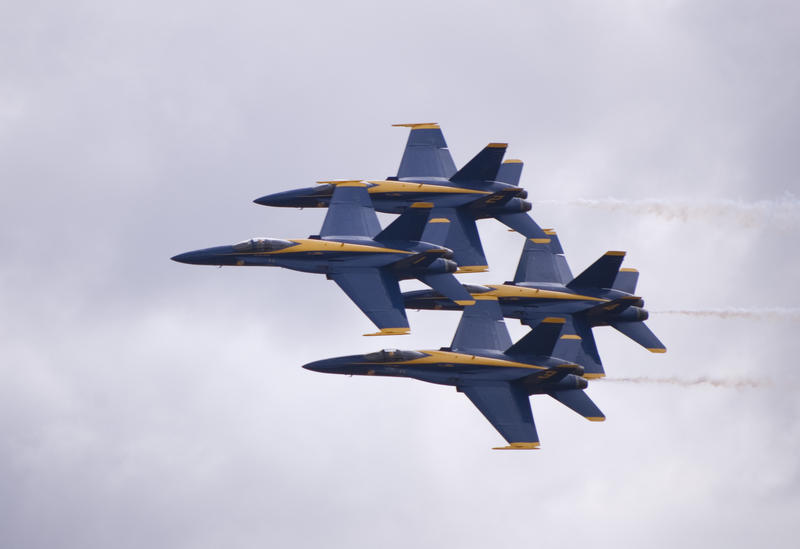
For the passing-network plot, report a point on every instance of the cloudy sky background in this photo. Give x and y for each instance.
(149, 403)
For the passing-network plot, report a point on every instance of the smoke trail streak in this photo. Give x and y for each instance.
(682, 382)
(784, 211)
(776, 313)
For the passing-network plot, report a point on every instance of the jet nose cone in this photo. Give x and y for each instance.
(267, 200)
(320, 365)
(188, 257)
(298, 198)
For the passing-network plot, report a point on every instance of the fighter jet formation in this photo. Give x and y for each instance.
(435, 237)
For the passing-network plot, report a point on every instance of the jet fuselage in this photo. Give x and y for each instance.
(444, 367)
(395, 196)
(318, 255)
(530, 299)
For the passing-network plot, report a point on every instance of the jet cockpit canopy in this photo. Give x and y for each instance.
(262, 245)
(393, 355)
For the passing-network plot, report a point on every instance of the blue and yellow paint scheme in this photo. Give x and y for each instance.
(367, 265)
(495, 375)
(486, 187)
(543, 286)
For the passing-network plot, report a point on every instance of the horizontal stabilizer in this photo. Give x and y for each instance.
(579, 401)
(541, 340)
(626, 281)
(377, 294)
(641, 334)
(481, 327)
(483, 166)
(523, 224)
(447, 285)
(601, 273)
(426, 153)
(510, 172)
(350, 212)
(409, 225)
(543, 260)
(508, 409)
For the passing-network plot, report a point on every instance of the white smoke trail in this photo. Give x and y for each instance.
(784, 211)
(742, 383)
(776, 313)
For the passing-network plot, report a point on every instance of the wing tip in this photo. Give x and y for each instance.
(519, 446)
(594, 375)
(473, 269)
(390, 331)
(419, 126)
(657, 349)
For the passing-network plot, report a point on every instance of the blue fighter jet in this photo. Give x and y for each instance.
(364, 261)
(496, 376)
(543, 286)
(485, 187)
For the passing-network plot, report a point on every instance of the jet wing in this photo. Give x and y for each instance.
(426, 153)
(462, 237)
(507, 407)
(350, 212)
(377, 294)
(481, 327)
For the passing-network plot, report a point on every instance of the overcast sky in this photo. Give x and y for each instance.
(146, 403)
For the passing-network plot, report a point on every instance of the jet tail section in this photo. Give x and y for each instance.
(578, 401)
(510, 172)
(641, 334)
(626, 280)
(426, 153)
(350, 212)
(484, 165)
(541, 340)
(409, 225)
(577, 345)
(601, 273)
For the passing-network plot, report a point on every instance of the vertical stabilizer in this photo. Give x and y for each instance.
(601, 273)
(510, 172)
(483, 166)
(626, 281)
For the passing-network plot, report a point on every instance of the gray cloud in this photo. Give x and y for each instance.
(149, 403)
